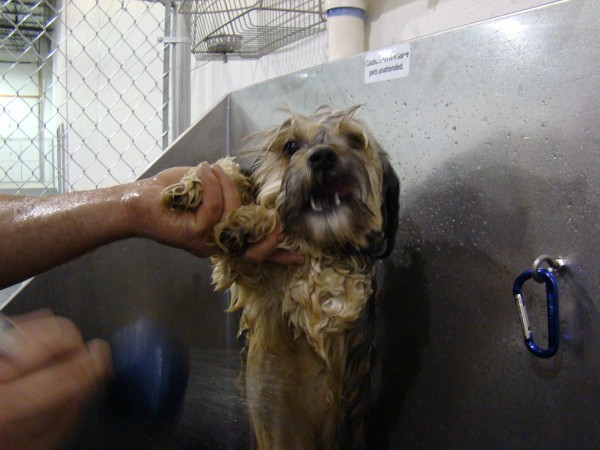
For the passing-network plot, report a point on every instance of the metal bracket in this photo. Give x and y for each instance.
(174, 39)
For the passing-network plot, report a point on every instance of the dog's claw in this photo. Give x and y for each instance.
(231, 242)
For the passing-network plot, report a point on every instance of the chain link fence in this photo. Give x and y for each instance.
(81, 92)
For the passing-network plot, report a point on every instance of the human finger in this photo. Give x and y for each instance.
(268, 249)
(82, 373)
(38, 342)
(211, 209)
(31, 315)
(231, 195)
(9, 337)
(101, 358)
(264, 248)
(172, 175)
(68, 384)
(286, 257)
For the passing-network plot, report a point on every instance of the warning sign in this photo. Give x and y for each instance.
(387, 63)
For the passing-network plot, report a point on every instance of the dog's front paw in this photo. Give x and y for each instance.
(184, 195)
(243, 227)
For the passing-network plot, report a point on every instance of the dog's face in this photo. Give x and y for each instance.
(330, 182)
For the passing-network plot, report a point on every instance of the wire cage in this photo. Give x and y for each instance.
(250, 28)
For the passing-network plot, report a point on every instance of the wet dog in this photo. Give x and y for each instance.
(308, 327)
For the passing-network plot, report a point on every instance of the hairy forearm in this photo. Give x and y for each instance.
(37, 233)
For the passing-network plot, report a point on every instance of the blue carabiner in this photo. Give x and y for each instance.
(552, 308)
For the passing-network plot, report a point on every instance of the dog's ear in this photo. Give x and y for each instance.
(390, 206)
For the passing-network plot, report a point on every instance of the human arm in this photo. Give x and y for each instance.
(37, 233)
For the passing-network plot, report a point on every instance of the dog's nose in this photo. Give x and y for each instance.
(322, 158)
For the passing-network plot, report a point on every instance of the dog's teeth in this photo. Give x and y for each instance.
(316, 206)
(337, 200)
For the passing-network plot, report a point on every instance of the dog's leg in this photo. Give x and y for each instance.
(356, 392)
(242, 227)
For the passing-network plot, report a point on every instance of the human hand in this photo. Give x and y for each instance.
(191, 229)
(47, 375)
(267, 249)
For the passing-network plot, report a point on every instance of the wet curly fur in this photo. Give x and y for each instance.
(309, 327)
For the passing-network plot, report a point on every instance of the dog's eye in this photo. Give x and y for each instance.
(355, 140)
(291, 147)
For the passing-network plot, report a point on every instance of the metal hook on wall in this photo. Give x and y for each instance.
(541, 275)
(559, 264)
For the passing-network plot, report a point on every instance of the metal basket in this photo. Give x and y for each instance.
(250, 28)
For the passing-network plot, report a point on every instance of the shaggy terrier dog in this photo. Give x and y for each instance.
(308, 327)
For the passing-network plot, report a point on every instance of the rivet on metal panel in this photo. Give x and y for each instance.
(552, 311)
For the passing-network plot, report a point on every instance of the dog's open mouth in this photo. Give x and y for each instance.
(330, 197)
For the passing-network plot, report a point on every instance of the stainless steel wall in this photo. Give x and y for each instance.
(495, 136)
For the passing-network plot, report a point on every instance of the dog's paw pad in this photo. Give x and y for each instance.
(184, 195)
